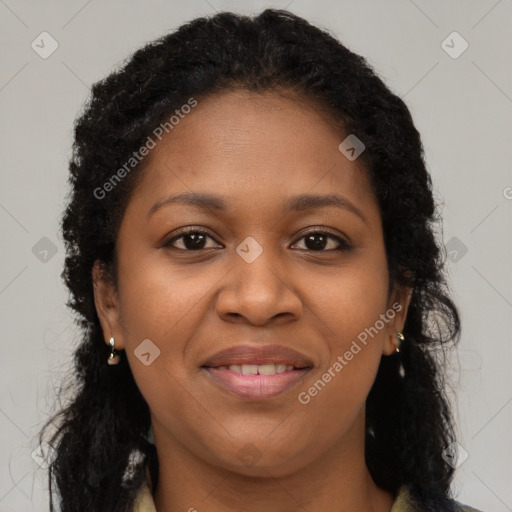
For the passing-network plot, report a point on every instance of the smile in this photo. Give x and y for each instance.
(258, 369)
(256, 382)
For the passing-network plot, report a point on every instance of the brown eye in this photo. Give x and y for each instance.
(316, 241)
(319, 241)
(191, 241)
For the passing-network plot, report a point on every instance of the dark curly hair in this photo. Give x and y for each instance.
(107, 421)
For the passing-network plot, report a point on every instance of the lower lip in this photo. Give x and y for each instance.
(256, 387)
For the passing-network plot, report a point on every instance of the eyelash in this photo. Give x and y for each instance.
(343, 245)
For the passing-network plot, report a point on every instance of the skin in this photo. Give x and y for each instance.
(255, 151)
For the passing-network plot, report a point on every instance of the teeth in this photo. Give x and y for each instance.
(250, 369)
(267, 369)
(280, 368)
(261, 369)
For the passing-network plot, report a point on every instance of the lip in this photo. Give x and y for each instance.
(256, 387)
(258, 354)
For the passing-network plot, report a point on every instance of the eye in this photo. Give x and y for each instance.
(192, 240)
(317, 241)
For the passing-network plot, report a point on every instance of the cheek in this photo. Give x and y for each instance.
(352, 305)
(158, 300)
(351, 301)
(166, 312)
(164, 306)
(349, 308)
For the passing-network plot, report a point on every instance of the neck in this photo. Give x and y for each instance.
(336, 481)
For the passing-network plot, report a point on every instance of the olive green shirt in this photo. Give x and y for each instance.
(144, 502)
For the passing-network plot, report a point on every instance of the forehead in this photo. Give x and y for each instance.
(243, 124)
(258, 147)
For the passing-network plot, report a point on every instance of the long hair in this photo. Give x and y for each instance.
(101, 438)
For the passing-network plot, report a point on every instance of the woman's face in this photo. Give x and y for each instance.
(254, 284)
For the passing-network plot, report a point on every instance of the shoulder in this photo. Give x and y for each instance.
(405, 503)
(467, 508)
(144, 500)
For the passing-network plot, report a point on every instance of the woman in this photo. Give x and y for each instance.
(251, 253)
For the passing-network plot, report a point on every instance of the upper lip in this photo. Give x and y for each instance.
(261, 354)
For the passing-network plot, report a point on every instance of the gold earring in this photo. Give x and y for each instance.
(400, 339)
(114, 357)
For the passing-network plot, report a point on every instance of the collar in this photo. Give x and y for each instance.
(144, 501)
(403, 501)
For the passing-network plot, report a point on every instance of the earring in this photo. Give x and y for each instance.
(400, 338)
(114, 357)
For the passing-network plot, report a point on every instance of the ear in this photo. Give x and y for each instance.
(107, 303)
(398, 305)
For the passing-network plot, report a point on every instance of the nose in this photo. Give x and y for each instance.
(258, 293)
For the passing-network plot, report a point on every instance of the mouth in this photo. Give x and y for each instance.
(257, 372)
(256, 386)
(259, 369)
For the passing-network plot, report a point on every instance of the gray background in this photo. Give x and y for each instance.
(461, 106)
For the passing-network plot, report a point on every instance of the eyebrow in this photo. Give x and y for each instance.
(297, 203)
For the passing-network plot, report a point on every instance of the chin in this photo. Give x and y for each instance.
(270, 462)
